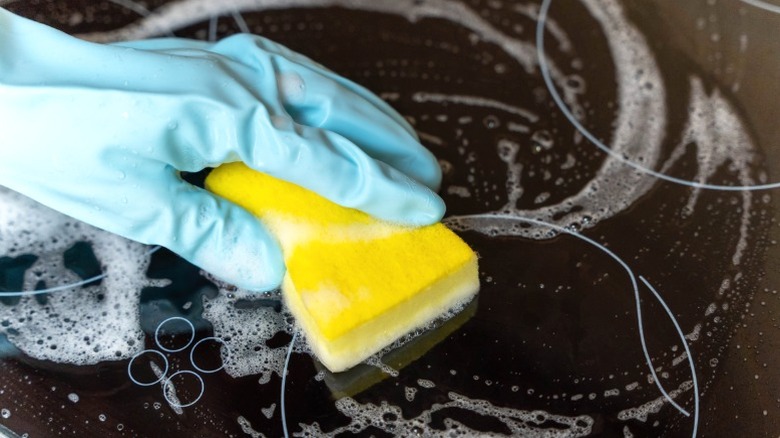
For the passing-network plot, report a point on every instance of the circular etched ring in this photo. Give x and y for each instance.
(136, 356)
(176, 404)
(194, 347)
(174, 318)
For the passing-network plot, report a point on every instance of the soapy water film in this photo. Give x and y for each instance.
(497, 155)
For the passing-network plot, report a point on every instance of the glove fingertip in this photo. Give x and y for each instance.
(430, 212)
(250, 260)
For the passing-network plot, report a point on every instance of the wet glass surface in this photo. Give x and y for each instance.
(576, 245)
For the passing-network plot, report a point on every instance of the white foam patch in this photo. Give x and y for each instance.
(638, 133)
(246, 427)
(474, 101)
(720, 138)
(269, 411)
(389, 418)
(652, 407)
(245, 331)
(184, 13)
(83, 325)
(639, 130)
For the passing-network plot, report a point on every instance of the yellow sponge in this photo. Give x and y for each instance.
(354, 284)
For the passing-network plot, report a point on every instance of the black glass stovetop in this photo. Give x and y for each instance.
(608, 182)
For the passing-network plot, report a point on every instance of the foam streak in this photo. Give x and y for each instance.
(545, 69)
(474, 101)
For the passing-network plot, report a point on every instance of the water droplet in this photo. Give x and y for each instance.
(542, 140)
(491, 122)
(575, 83)
(5, 413)
(574, 226)
(122, 175)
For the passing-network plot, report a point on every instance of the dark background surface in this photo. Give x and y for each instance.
(554, 328)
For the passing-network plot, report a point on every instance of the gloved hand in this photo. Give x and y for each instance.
(101, 132)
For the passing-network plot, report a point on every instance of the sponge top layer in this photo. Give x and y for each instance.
(345, 284)
(291, 212)
(347, 266)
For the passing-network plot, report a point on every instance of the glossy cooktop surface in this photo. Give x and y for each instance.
(613, 162)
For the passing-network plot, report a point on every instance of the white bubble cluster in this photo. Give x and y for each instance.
(652, 407)
(81, 325)
(637, 136)
(389, 418)
(245, 332)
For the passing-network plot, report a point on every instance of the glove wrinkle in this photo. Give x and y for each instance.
(101, 132)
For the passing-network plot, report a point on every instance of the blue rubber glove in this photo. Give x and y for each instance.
(101, 132)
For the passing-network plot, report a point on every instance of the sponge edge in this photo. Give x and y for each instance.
(353, 283)
(350, 344)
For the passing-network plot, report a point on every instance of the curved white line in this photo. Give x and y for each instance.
(543, 67)
(763, 5)
(422, 96)
(133, 6)
(687, 351)
(160, 378)
(210, 338)
(175, 403)
(240, 22)
(174, 350)
(620, 261)
(284, 384)
(65, 286)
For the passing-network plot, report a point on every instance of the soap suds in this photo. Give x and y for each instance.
(244, 321)
(231, 308)
(84, 325)
(246, 427)
(390, 419)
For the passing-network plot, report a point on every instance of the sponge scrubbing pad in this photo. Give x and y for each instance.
(355, 284)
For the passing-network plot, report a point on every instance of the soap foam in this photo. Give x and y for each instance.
(244, 321)
(641, 412)
(614, 188)
(87, 324)
(389, 418)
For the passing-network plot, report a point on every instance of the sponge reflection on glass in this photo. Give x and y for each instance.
(353, 283)
(365, 375)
